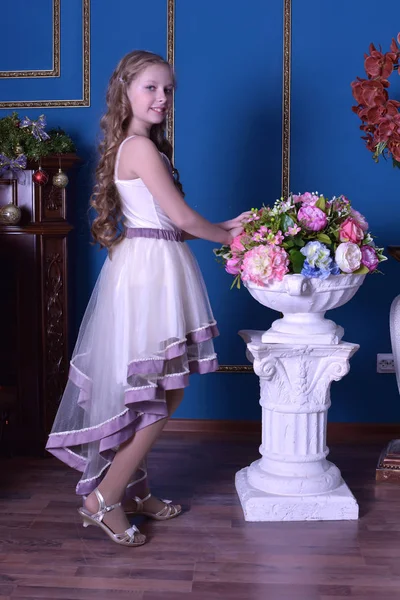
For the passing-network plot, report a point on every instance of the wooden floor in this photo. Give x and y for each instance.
(207, 553)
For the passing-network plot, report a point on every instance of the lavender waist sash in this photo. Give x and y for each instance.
(158, 234)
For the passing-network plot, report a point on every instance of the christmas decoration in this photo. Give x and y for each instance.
(12, 164)
(60, 180)
(36, 127)
(40, 177)
(10, 214)
(30, 136)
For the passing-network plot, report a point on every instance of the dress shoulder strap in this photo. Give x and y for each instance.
(119, 154)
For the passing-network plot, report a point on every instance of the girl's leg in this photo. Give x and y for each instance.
(142, 488)
(173, 399)
(126, 462)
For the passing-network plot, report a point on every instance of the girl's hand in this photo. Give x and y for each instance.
(236, 222)
(234, 231)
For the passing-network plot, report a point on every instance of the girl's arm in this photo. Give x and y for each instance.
(189, 236)
(232, 225)
(140, 158)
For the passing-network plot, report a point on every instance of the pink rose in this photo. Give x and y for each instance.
(312, 218)
(369, 258)
(359, 219)
(233, 266)
(350, 231)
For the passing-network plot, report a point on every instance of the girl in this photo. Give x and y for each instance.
(148, 324)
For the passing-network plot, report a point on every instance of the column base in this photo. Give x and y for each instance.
(339, 505)
(274, 336)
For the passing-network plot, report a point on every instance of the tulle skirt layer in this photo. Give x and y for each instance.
(147, 327)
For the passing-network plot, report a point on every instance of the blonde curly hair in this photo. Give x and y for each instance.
(108, 227)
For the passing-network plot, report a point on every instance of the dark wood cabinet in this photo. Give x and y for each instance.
(33, 307)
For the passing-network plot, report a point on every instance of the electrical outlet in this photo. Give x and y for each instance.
(385, 363)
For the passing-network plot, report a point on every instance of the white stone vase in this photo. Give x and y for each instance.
(296, 361)
(303, 302)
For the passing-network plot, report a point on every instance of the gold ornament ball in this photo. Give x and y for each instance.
(19, 149)
(10, 214)
(60, 180)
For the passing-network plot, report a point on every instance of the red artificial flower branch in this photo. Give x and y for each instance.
(379, 114)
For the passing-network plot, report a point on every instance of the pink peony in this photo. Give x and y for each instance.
(359, 219)
(264, 264)
(236, 245)
(369, 258)
(306, 198)
(350, 231)
(348, 257)
(312, 218)
(233, 266)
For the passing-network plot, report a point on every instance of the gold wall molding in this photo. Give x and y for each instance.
(55, 70)
(171, 60)
(85, 100)
(235, 369)
(286, 93)
(286, 88)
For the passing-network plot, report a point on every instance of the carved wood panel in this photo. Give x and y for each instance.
(54, 310)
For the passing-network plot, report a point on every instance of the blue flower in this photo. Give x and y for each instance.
(335, 269)
(320, 272)
(317, 255)
(308, 270)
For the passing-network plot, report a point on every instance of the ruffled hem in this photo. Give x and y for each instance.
(144, 404)
(177, 349)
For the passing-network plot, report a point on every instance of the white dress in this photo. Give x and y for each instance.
(147, 326)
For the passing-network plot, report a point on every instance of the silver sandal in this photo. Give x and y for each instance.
(125, 539)
(168, 512)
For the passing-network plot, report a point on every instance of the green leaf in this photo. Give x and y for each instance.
(286, 222)
(321, 203)
(299, 242)
(324, 239)
(236, 282)
(297, 260)
(361, 271)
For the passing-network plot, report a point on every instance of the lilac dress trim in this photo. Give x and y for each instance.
(158, 365)
(158, 234)
(144, 404)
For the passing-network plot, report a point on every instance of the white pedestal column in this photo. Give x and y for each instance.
(293, 481)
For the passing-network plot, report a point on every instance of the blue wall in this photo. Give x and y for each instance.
(329, 41)
(228, 59)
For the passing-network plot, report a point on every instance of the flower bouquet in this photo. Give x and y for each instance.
(305, 234)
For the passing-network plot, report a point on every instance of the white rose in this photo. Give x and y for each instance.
(348, 257)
